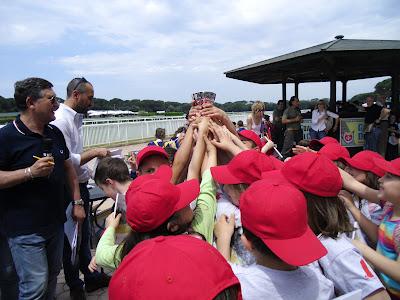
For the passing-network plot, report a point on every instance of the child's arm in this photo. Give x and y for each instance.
(366, 225)
(268, 146)
(352, 185)
(215, 113)
(198, 151)
(183, 154)
(223, 141)
(106, 248)
(206, 204)
(383, 264)
(223, 231)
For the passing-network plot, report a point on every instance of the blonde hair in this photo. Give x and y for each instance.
(257, 106)
(323, 102)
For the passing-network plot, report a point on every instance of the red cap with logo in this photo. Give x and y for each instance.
(150, 150)
(363, 160)
(392, 167)
(313, 173)
(279, 218)
(251, 135)
(334, 151)
(246, 167)
(322, 142)
(170, 268)
(152, 199)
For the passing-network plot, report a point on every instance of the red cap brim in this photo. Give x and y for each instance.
(222, 175)
(189, 191)
(387, 166)
(150, 150)
(299, 251)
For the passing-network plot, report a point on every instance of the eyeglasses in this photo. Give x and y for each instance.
(81, 80)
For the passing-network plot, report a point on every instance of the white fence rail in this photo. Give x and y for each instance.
(103, 132)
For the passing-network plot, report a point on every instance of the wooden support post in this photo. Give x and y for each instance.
(296, 90)
(332, 99)
(344, 91)
(284, 93)
(395, 89)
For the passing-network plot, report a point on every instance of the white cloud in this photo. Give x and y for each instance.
(186, 39)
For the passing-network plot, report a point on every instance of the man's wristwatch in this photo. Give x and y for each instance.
(78, 202)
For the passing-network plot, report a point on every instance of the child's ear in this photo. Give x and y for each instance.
(246, 243)
(172, 227)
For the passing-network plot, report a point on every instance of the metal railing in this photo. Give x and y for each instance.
(110, 131)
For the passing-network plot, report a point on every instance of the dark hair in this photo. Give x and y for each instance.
(304, 143)
(113, 168)
(171, 153)
(77, 84)
(133, 238)
(340, 164)
(179, 130)
(160, 133)
(29, 87)
(240, 123)
(229, 293)
(259, 245)
(372, 181)
(280, 101)
(292, 99)
(327, 216)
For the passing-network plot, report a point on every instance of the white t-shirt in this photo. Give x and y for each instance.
(346, 268)
(358, 234)
(225, 207)
(318, 119)
(305, 283)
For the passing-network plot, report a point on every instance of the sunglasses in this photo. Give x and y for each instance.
(81, 80)
(53, 99)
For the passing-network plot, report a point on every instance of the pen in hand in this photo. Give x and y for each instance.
(37, 157)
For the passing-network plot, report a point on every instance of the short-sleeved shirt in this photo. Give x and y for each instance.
(389, 244)
(259, 282)
(277, 113)
(38, 203)
(346, 268)
(291, 113)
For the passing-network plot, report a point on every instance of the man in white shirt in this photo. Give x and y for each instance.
(320, 119)
(69, 119)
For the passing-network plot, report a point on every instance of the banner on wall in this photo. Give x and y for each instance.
(352, 132)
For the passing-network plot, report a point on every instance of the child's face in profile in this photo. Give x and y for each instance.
(248, 143)
(389, 189)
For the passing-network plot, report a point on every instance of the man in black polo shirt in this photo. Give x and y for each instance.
(371, 131)
(32, 190)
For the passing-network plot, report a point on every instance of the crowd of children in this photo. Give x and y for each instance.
(225, 219)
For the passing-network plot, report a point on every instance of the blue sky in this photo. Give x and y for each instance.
(137, 49)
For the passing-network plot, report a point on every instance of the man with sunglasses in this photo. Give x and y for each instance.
(69, 119)
(35, 167)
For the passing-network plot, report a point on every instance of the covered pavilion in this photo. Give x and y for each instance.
(337, 60)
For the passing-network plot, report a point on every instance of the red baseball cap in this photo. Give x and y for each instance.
(334, 151)
(322, 142)
(150, 150)
(392, 167)
(275, 177)
(172, 267)
(246, 167)
(251, 135)
(152, 199)
(313, 173)
(363, 161)
(279, 218)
